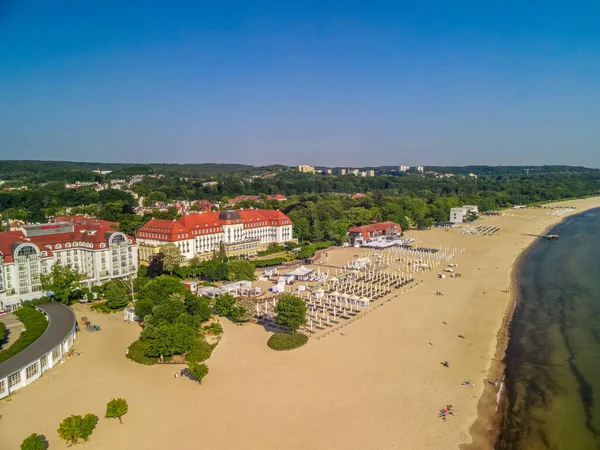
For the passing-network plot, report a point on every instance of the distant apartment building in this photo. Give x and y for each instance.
(343, 171)
(460, 215)
(420, 169)
(97, 251)
(257, 198)
(403, 168)
(242, 232)
(329, 172)
(371, 173)
(79, 184)
(306, 169)
(355, 172)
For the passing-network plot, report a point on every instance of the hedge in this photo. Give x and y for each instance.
(199, 352)
(35, 324)
(268, 262)
(2, 333)
(287, 341)
(137, 352)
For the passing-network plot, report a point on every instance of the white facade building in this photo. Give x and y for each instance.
(459, 215)
(47, 351)
(95, 250)
(243, 233)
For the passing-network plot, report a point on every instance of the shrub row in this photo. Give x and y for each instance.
(268, 262)
(287, 341)
(199, 352)
(35, 324)
(137, 352)
(2, 333)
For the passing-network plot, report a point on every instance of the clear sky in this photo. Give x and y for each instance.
(344, 82)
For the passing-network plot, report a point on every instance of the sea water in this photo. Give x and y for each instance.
(553, 356)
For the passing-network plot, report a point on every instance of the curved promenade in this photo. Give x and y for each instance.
(47, 351)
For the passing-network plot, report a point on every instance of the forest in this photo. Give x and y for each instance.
(321, 207)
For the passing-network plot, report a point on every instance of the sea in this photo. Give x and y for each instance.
(552, 376)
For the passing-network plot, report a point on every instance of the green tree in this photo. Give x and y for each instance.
(117, 407)
(171, 339)
(75, 427)
(240, 313)
(130, 224)
(87, 425)
(155, 292)
(198, 306)
(156, 266)
(63, 281)
(167, 311)
(222, 254)
(34, 442)
(241, 270)
(198, 371)
(116, 295)
(214, 270)
(171, 256)
(112, 211)
(291, 312)
(223, 304)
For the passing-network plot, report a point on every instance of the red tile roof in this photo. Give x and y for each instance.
(378, 227)
(206, 223)
(82, 220)
(89, 233)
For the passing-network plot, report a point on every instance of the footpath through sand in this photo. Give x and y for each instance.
(380, 385)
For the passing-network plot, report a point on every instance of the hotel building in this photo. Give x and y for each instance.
(242, 232)
(91, 247)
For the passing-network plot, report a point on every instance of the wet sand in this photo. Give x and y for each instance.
(378, 386)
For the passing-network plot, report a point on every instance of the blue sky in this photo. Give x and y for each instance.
(356, 83)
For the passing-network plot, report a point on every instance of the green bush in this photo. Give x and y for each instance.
(199, 352)
(101, 307)
(214, 328)
(269, 262)
(36, 302)
(223, 305)
(273, 248)
(287, 341)
(2, 333)
(35, 324)
(137, 353)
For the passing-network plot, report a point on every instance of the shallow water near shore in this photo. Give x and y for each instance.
(553, 356)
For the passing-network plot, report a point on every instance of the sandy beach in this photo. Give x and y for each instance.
(379, 385)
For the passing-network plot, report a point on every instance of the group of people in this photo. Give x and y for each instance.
(447, 411)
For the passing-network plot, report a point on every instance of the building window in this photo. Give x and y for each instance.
(2, 386)
(44, 361)
(31, 370)
(15, 378)
(56, 353)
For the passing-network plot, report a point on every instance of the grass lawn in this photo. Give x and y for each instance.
(287, 341)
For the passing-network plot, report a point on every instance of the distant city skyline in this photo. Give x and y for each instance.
(322, 83)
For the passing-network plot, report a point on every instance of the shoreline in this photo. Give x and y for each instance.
(377, 383)
(491, 407)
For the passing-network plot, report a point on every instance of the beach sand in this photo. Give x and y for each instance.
(380, 385)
